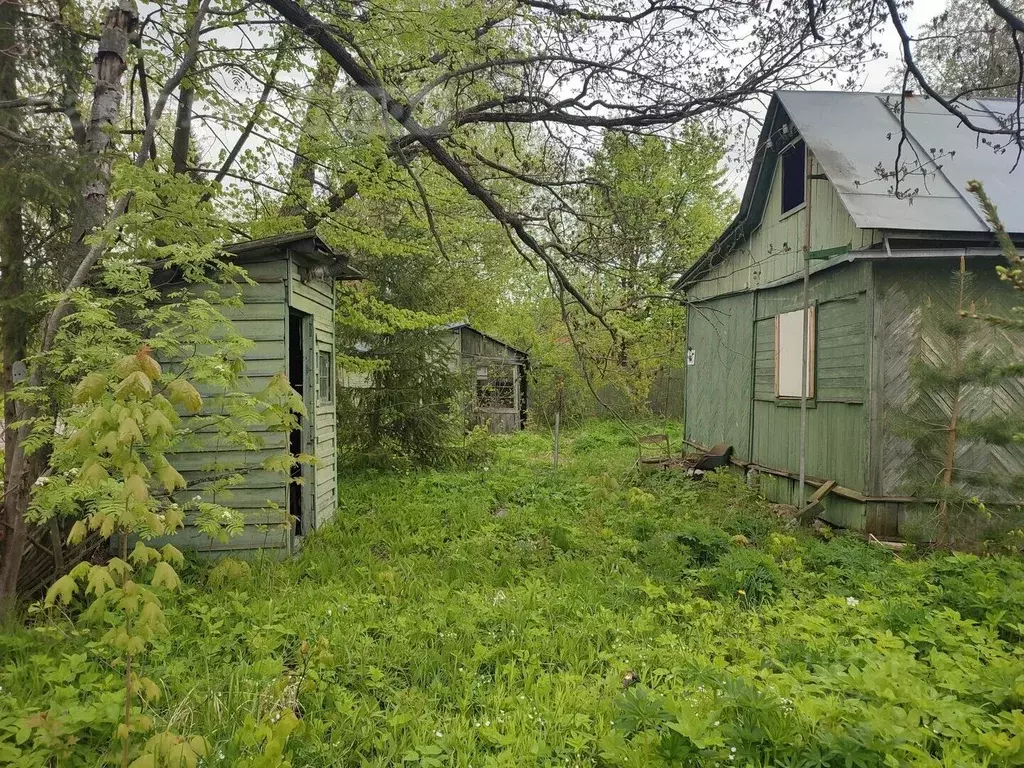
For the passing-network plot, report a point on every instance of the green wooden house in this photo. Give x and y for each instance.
(289, 315)
(821, 196)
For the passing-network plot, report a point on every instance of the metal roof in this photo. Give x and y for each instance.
(856, 137)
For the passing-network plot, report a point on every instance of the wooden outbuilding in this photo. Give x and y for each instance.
(289, 315)
(820, 210)
(499, 393)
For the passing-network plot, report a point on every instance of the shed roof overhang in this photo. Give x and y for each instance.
(307, 244)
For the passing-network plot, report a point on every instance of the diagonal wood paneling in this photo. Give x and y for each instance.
(904, 289)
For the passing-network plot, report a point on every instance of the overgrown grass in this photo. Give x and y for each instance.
(512, 615)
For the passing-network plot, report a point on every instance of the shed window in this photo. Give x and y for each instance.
(794, 183)
(498, 390)
(789, 334)
(325, 378)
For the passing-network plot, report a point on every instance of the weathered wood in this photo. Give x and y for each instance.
(774, 250)
(718, 383)
(906, 287)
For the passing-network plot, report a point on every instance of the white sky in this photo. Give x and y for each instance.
(876, 74)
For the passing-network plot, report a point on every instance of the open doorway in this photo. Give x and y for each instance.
(298, 325)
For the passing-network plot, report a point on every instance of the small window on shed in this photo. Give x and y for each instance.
(325, 378)
(498, 389)
(794, 181)
(789, 352)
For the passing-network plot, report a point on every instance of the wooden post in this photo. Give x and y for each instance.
(55, 545)
(805, 352)
(558, 418)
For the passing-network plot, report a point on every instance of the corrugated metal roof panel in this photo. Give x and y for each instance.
(856, 137)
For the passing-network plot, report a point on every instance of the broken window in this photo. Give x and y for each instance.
(789, 352)
(496, 387)
(794, 183)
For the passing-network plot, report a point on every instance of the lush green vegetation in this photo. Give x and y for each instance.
(509, 614)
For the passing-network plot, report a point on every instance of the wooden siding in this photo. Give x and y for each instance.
(837, 440)
(262, 318)
(903, 288)
(477, 349)
(774, 251)
(718, 384)
(316, 298)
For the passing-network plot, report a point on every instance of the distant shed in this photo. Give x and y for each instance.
(289, 314)
(500, 391)
(815, 200)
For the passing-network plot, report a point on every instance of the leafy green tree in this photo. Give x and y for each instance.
(653, 205)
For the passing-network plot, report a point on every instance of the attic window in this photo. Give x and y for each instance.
(794, 182)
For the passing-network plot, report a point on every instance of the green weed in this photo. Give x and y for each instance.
(512, 614)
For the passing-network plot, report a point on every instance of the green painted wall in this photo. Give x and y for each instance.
(282, 281)
(314, 295)
(903, 287)
(718, 384)
(774, 251)
(837, 416)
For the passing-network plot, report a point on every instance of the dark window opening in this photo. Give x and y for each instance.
(495, 387)
(794, 182)
(325, 384)
(296, 376)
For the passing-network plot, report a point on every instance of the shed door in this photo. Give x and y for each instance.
(325, 410)
(301, 499)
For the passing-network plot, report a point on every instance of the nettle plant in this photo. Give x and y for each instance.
(111, 453)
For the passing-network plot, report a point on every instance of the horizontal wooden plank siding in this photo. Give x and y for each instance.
(206, 457)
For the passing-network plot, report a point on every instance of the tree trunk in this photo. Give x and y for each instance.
(183, 119)
(108, 73)
(22, 470)
(952, 429)
(13, 326)
(303, 175)
(182, 130)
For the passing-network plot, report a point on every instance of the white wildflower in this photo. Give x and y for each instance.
(852, 602)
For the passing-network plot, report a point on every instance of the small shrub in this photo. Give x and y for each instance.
(748, 575)
(706, 544)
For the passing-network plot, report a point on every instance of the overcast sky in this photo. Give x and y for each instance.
(876, 76)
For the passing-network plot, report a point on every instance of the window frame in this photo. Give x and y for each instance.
(787, 168)
(812, 344)
(321, 399)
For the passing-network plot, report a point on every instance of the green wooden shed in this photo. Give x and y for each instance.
(820, 199)
(288, 312)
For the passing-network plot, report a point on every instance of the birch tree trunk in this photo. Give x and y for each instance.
(22, 470)
(108, 73)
